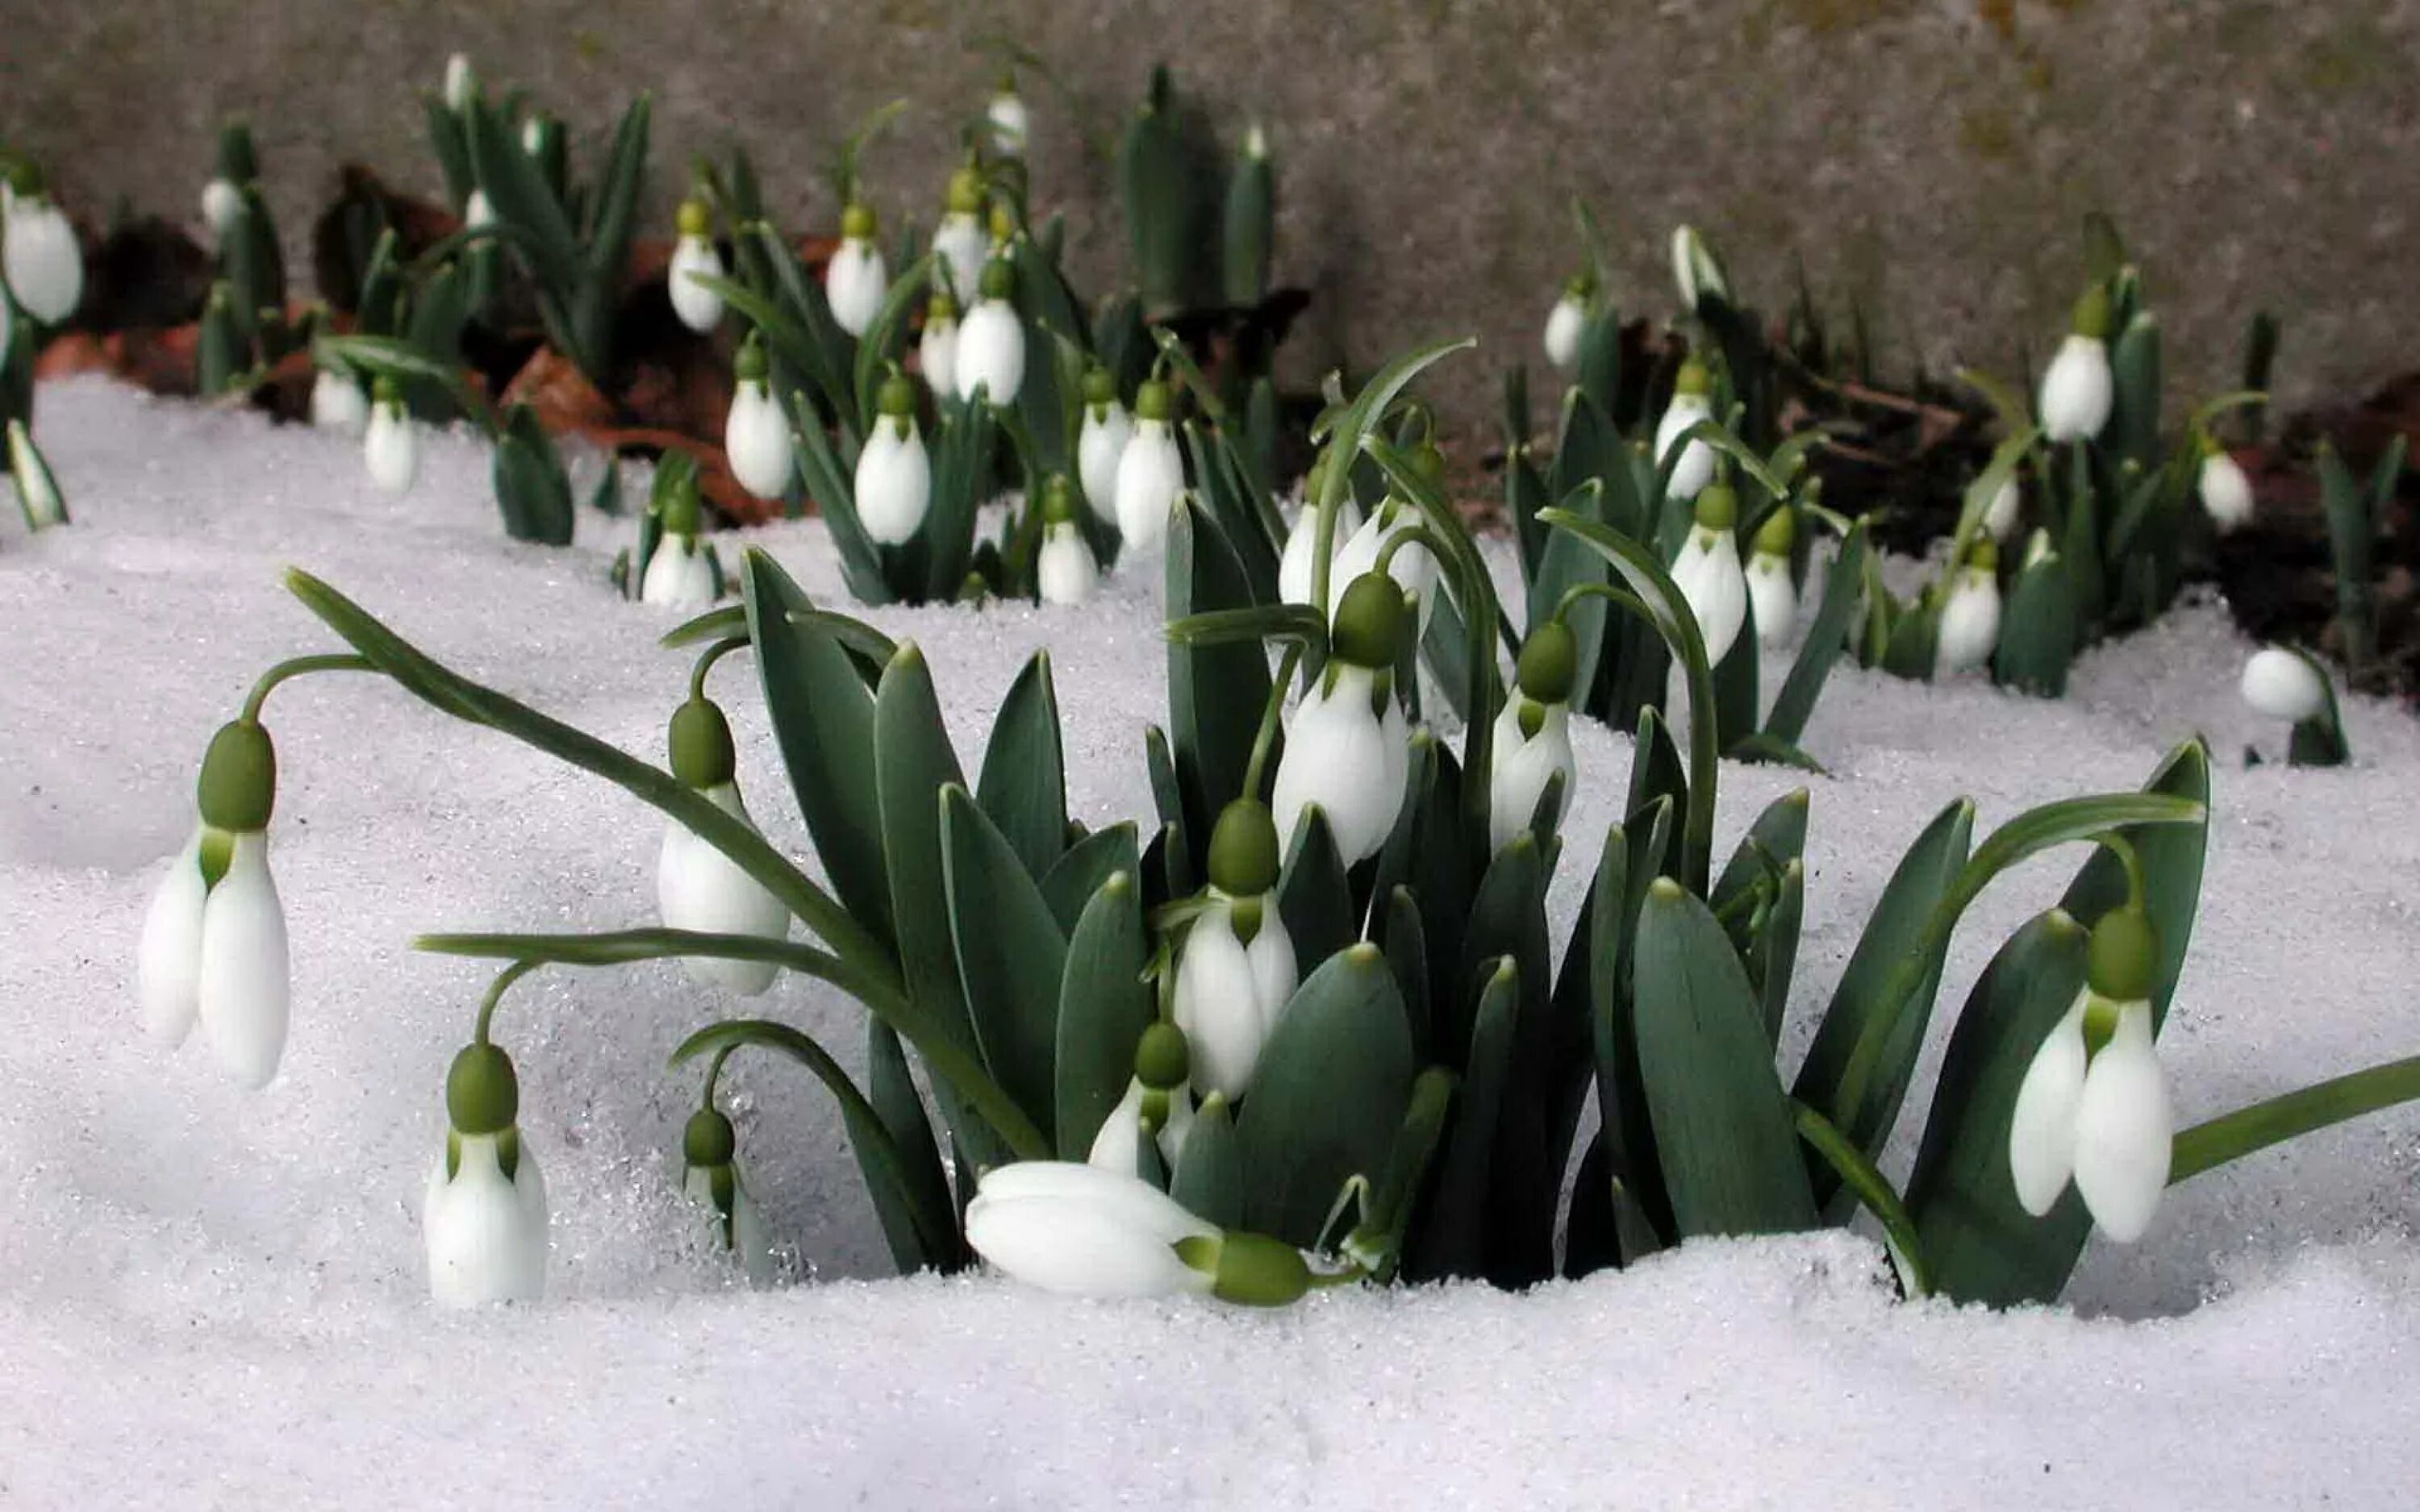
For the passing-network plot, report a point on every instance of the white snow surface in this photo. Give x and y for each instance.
(213, 1299)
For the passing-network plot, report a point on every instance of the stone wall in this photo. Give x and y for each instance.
(1930, 159)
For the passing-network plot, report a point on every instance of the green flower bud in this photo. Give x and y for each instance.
(1693, 378)
(692, 218)
(1580, 287)
(1244, 849)
(1428, 463)
(940, 309)
(681, 514)
(482, 1094)
(2092, 314)
(1003, 223)
(1100, 387)
(1152, 400)
(709, 1139)
(750, 366)
(239, 781)
(999, 280)
(2123, 956)
(1252, 1270)
(384, 389)
(1162, 1059)
(1549, 663)
(1058, 499)
(1984, 555)
(1780, 532)
(1369, 629)
(703, 756)
(857, 222)
(966, 192)
(1717, 506)
(896, 398)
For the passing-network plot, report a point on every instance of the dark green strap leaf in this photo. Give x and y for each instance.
(1012, 958)
(1024, 786)
(1104, 1007)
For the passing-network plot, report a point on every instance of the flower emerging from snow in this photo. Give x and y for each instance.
(1155, 1101)
(711, 1176)
(1151, 470)
(857, 278)
(2077, 390)
(1707, 572)
(958, 242)
(991, 340)
(700, 308)
(1771, 591)
(2284, 684)
(213, 944)
(1533, 736)
(2094, 1106)
(894, 485)
(1100, 442)
(390, 441)
(2225, 491)
(484, 1215)
(1970, 620)
(1082, 1231)
(38, 255)
(697, 887)
(1692, 401)
(337, 402)
(755, 433)
(1566, 320)
(1235, 969)
(1348, 748)
(680, 572)
(1063, 569)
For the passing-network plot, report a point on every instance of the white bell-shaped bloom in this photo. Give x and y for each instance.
(2042, 1126)
(991, 352)
(1229, 994)
(1772, 598)
(694, 256)
(486, 1231)
(1349, 751)
(1695, 468)
(479, 212)
(2000, 515)
(338, 404)
(1413, 567)
(679, 575)
(2077, 390)
(1970, 620)
(959, 242)
(168, 962)
(532, 137)
(756, 439)
(1150, 474)
(38, 255)
(1100, 444)
(743, 1227)
(1695, 273)
(1708, 575)
(1077, 1229)
(937, 348)
(1011, 126)
(222, 205)
(391, 445)
(218, 953)
(1564, 323)
(2284, 686)
(1065, 572)
(2124, 1130)
(1118, 1146)
(701, 889)
(2225, 492)
(894, 481)
(1523, 764)
(461, 84)
(1298, 568)
(855, 283)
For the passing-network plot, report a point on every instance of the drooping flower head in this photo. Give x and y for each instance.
(1298, 575)
(893, 484)
(1533, 736)
(1707, 571)
(694, 254)
(1692, 401)
(390, 443)
(484, 1215)
(697, 887)
(857, 278)
(1064, 569)
(1235, 965)
(937, 348)
(1970, 620)
(1100, 442)
(1348, 748)
(710, 1175)
(991, 340)
(1082, 1231)
(2077, 390)
(1151, 469)
(40, 257)
(1772, 591)
(755, 433)
(1566, 319)
(2223, 488)
(958, 242)
(1157, 1104)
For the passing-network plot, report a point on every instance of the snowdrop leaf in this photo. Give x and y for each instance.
(1024, 787)
(1430, 855)
(1454, 1240)
(1776, 838)
(2172, 855)
(522, 198)
(1656, 767)
(2133, 432)
(813, 340)
(1586, 449)
(1209, 1175)
(1564, 562)
(831, 488)
(1982, 1242)
(1857, 1175)
(1122, 342)
(1168, 869)
(1590, 978)
(2208, 1146)
(2038, 631)
(1333, 1080)
(1737, 688)
(885, 336)
(1914, 634)
(1763, 747)
(1724, 1134)
(961, 481)
(1011, 956)
(1165, 794)
(616, 204)
(1773, 956)
(1870, 989)
(1405, 942)
(1508, 921)
(1597, 370)
(531, 487)
(1525, 494)
(2080, 543)
(1226, 504)
(445, 138)
(1069, 885)
(823, 723)
(916, 1209)
(1216, 693)
(1314, 898)
(1104, 1007)
(1826, 638)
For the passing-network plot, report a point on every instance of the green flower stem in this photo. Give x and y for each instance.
(1344, 445)
(714, 1075)
(709, 657)
(1627, 603)
(296, 666)
(881, 996)
(2128, 857)
(496, 990)
(1172, 353)
(1874, 1191)
(2232, 1137)
(1265, 738)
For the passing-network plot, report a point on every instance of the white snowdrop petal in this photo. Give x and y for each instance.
(700, 889)
(1562, 337)
(959, 242)
(2000, 515)
(2077, 390)
(2042, 1126)
(991, 353)
(1065, 571)
(1132, 1203)
(2124, 1129)
(391, 448)
(893, 486)
(242, 993)
(855, 282)
(40, 259)
(337, 403)
(168, 960)
(756, 438)
(1076, 1251)
(1218, 1005)
(699, 307)
(486, 1236)
(2225, 492)
(936, 356)
(2283, 685)
(1349, 762)
(1150, 474)
(1296, 572)
(1716, 590)
(1970, 625)
(1115, 1148)
(1695, 468)
(1772, 598)
(1099, 443)
(1523, 767)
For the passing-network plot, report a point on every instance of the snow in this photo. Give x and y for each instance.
(216, 1299)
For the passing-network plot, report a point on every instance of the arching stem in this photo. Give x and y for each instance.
(496, 990)
(298, 667)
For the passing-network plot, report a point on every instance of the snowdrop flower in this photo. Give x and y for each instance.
(1151, 470)
(1696, 271)
(2094, 1106)
(213, 945)
(1708, 573)
(1348, 749)
(534, 136)
(2225, 491)
(2000, 515)
(337, 402)
(479, 212)
(1065, 571)
(484, 1214)
(222, 206)
(1082, 1231)
(959, 241)
(680, 573)
(1235, 969)
(857, 277)
(1533, 736)
(1565, 321)
(2077, 390)
(390, 443)
(700, 308)
(991, 340)
(461, 84)
(1005, 115)
(1412, 564)
(2284, 684)
(893, 486)
(1771, 592)
(936, 349)
(1156, 1099)
(38, 255)
(697, 887)
(1692, 401)
(1100, 442)
(1298, 568)
(755, 433)
(711, 1176)
(1970, 620)
(38, 491)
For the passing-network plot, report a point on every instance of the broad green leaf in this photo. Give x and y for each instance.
(1776, 838)
(1313, 897)
(1216, 694)
(923, 1230)
(1825, 638)
(1104, 1007)
(1774, 956)
(1209, 1176)
(1024, 786)
(1454, 1242)
(2037, 632)
(1011, 956)
(1405, 942)
(961, 479)
(1069, 885)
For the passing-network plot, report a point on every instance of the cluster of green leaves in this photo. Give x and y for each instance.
(244, 329)
(1194, 246)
